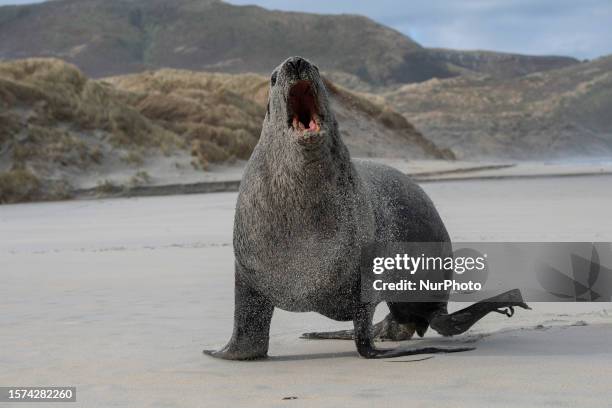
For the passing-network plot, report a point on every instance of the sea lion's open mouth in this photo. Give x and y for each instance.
(303, 109)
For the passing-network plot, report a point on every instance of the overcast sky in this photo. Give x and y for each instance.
(581, 28)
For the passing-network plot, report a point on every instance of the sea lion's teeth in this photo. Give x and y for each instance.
(295, 122)
(301, 125)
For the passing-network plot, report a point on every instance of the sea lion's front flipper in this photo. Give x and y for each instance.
(252, 317)
(387, 329)
(462, 320)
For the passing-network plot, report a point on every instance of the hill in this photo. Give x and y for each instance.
(110, 37)
(60, 130)
(557, 113)
(497, 64)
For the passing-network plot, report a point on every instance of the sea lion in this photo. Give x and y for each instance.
(303, 215)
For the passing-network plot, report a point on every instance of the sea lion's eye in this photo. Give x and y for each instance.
(273, 78)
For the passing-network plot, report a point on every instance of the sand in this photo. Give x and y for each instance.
(118, 297)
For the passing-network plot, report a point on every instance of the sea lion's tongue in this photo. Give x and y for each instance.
(313, 126)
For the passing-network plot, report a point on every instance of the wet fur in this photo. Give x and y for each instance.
(303, 215)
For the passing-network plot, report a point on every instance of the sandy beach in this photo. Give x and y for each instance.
(118, 297)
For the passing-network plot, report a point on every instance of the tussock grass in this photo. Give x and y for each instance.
(54, 120)
(53, 94)
(19, 185)
(218, 116)
(107, 187)
(141, 178)
(53, 117)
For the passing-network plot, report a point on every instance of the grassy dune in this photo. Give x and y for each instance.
(559, 113)
(56, 125)
(217, 115)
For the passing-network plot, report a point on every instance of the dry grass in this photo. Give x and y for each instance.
(54, 121)
(141, 178)
(134, 158)
(51, 94)
(107, 187)
(52, 116)
(218, 116)
(53, 145)
(19, 185)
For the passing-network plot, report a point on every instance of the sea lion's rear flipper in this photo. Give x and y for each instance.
(445, 324)
(387, 329)
(462, 320)
(333, 335)
(452, 324)
(364, 339)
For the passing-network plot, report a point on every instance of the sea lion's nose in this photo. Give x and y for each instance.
(297, 64)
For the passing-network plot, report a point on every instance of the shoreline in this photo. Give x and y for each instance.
(420, 172)
(224, 178)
